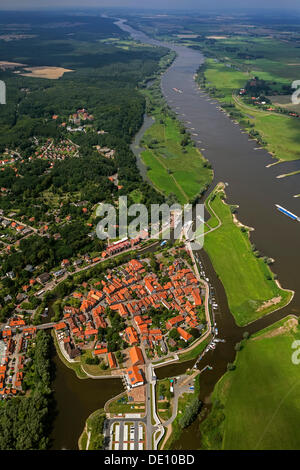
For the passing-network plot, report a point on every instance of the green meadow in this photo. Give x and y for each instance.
(173, 168)
(276, 62)
(281, 132)
(224, 78)
(257, 405)
(247, 279)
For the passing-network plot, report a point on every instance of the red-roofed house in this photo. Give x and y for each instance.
(172, 322)
(112, 360)
(134, 377)
(136, 356)
(184, 334)
(131, 335)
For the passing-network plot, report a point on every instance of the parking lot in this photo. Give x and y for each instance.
(127, 435)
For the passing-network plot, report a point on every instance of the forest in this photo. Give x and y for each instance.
(106, 80)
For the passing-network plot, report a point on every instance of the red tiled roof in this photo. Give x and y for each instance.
(136, 355)
(184, 334)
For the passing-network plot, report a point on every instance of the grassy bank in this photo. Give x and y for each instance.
(248, 281)
(76, 366)
(175, 167)
(163, 405)
(92, 434)
(257, 406)
(80, 367)
(195, 352)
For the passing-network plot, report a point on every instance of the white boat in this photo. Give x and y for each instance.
(288, 213)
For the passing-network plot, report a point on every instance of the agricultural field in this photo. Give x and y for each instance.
(248, 281)
(264, 388)
(225, 78)
(234, 61)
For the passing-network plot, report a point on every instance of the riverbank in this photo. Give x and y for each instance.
(92, 437)
(250, 285)
(236, 161)
(81, 368)
(174, 165)
(276, 132)
(186, 406)
(265, 380)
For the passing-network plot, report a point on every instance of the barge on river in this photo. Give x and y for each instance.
(288, 213)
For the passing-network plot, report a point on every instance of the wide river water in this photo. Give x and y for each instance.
(256, 190)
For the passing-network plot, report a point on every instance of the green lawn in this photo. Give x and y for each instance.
(183, 401)
(119, 406)
(247, 280)
(163, 412)
(172, 168)
(257, 406)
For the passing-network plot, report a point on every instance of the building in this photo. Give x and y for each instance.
(111, 360)
(197, 298)
(72, 352)
(136, 356)
(59, 273)
(43, 278)
(60, 326)
(131, 335)
(118, 246)
(184, 334)
(134, 377)
(173, 322)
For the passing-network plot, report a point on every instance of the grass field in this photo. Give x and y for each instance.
(173, 168)
(183, 401)
(247, 279)
(224, 78)
(269, 58)
(195, 352)
(280, 132)
(93, 427)
(257, 406)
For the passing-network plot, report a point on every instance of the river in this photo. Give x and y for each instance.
(255, 189)
(76, 399)
(252, 185)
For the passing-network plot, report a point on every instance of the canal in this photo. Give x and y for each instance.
(76, 399)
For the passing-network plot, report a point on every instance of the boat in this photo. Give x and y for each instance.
(288, 213)
(177, 90)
